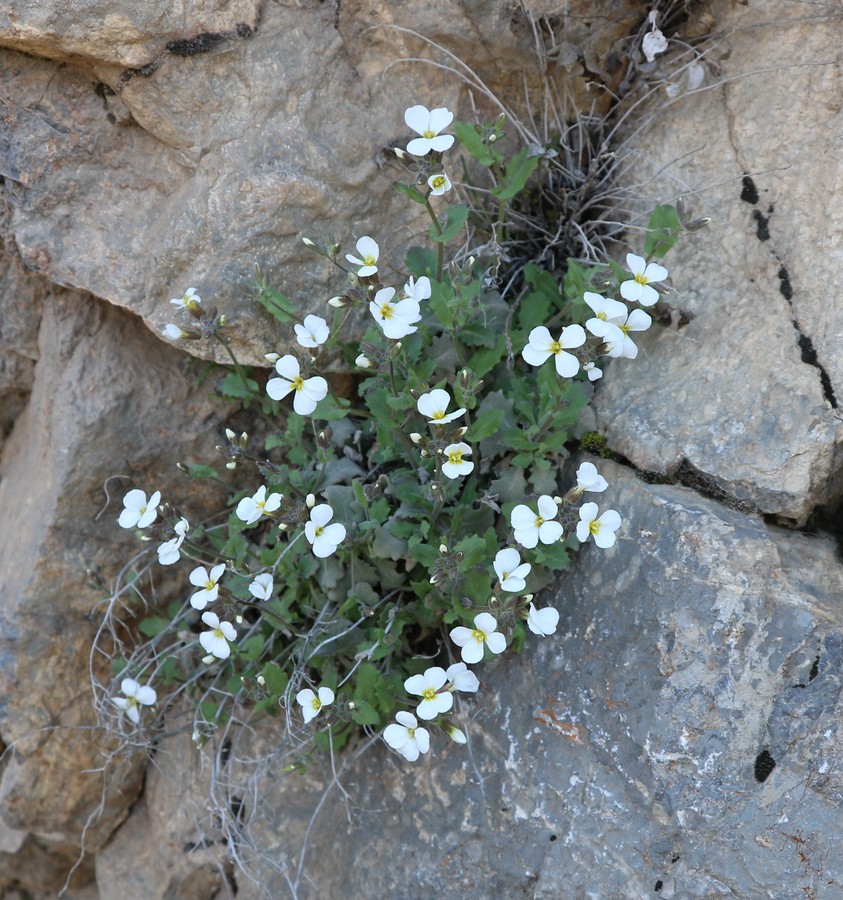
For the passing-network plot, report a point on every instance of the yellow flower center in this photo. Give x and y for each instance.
(298, 383)
(131, 701)
(316, 703)
(218, 633)
(386, 311)
(411, 733)
(209, 585)
(640, 278)
(603, 316)
(539, 522)
(429, 134)
(429, 693)
(438, 182)
(455, 457)
(318, 531)
(624, 328)
(369, 260)
(594, 527)
(555, 347)
(439, 414)
(478, 635)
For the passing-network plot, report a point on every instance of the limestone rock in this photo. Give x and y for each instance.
(625, 752)
(745, 395)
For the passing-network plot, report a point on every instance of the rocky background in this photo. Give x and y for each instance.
(681, 735)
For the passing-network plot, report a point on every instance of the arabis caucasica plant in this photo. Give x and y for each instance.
(381, 543)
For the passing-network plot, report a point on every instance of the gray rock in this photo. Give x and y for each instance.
(745, 396)
(623, 752)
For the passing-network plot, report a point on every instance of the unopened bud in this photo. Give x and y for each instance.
(308, 242)
(558, 501)
(399, 152)
(454, 733)
(696, 224)
(323, 439)
(208, 659)
(443, 548)
(238, 619)
(415, 437)
(230, 434)
(283, 527)
(461, 431)
(272, 357)
(465, 602)
(337, 302)
(438, 577)
(459, 556)
(310, 501)
(363, 361)
(221, 321)
(424, 454)
(415, 394)
(352, 704)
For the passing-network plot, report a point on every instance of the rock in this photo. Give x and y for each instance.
(95, 411)
(135, 171)
(627, 750)
(744, 397)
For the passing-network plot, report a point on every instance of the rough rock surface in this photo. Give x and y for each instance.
(624, 752)
(756, 415)
(90, 415)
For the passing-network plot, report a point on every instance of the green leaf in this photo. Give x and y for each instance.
(232, 386)
(483, 361)
(408, 190)
(279, 306)
(276, 678)
(421, 261)
(451, 223)
(486, 425)
(331, 408)
(518, 171)
(664, 228)
(468, 136)
(252, 647)
(153, 625)
(387, 545)
(364, 713)
(442, 302)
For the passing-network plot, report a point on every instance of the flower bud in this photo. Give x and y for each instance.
(337, 302)
(460, 431)
(454, 733)
(438, 577)
(363, 361)
(272, 357)
(310, 501)
(308, 242)
(558, 501)
(399, 152)
(230, 434)
(415, 437)
(443, 549)
(238, 619)
(208, 660)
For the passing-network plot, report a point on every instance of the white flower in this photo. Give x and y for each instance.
(308, 391)
(607, 314)
(250, 509)
(472, 640)
(427, 686)
(368, 259)
(433, 405)
(209, 584)
(592, 371)
(190, 298)
(139, 512)
(603, 528)
(135, 697)
(215, 641)
(541, 347)
(313, 333)
(428, 123)
(461, 678)
(418, 290)
(589, 479)
(542, 621)
(324, 537)
(311, 703)
(396, 320)
(456, 465)
(173, 332)
(406, 737)
(439, 184)
(510, 570)
(262, 586)
(637, 320)
(638, 289)
(530, 528)
(170, 551)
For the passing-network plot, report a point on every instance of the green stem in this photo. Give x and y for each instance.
(440, 246)
(236, 364)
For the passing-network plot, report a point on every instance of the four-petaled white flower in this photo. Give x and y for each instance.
(433, 405)
(312, 702)
(170, 551)
(637, 320)
(428, 686)
(308, 391)
(428, 123)
(396, 319)
(531, 527)
(456, 464)
(542, 621)
(589, 479)
(250, 509)
(603, 529)
(135, 697)
(173, 332)
(262, 586)
(638, 289)
(313, 333)
(368, 259)
(406, 737)
(209, 584)
(541, 346)
(439, 184)
(592, 371)
(216, 640)
(189, 299)
(325, 538)
(607, 314)
(139, 512)
(461, 678)
(418, 289)
(471, 641)
(510, 570)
